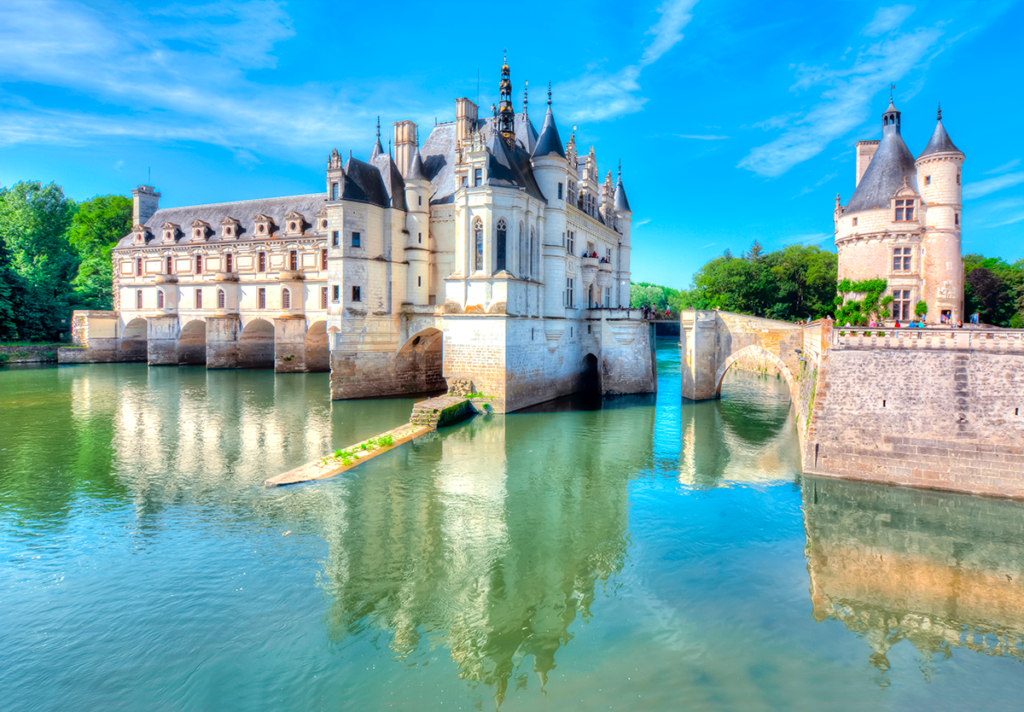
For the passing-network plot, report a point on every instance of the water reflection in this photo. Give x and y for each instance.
(943, 571)
(495, 539)
(746, 436)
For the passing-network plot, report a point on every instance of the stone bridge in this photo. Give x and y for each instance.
(712, 341)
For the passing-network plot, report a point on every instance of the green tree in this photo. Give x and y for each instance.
(94, 231)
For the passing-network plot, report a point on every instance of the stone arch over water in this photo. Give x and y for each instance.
(135, 338)
(256, 345)
(192, 342)
(758, 352)
(318, 355)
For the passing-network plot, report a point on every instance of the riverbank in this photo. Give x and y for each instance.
(29, 353)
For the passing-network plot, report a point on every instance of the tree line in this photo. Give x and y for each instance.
(797, 282)
(55, 257)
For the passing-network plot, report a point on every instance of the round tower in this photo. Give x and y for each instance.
(550, 170)
(623, 223)
(417, 242)
(939, 179)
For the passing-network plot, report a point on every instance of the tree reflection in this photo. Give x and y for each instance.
(943, 571)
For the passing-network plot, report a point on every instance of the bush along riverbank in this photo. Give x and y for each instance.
(29, 353)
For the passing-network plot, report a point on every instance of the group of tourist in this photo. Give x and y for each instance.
(649, 311)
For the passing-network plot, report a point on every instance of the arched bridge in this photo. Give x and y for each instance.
(712, 341)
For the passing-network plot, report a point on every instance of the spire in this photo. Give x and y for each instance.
(621, 201)
(940, 141)
(549, 142)
(416, 171)
(890, 164)
(526, 100)
(507, 121)
(377, 148)
(939, 117)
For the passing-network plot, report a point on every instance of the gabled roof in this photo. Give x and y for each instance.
(510, 167)
(549, 141)
(939, 142)
(363, 184)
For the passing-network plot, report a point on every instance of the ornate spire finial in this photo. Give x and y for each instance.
(549, 93)
(620, 168)
(939, 118)
(526, 100)
(378, 126)
(507, 120)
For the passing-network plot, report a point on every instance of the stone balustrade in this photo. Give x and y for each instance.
(1000, 340)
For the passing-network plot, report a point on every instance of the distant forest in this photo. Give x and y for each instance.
(797, 282)
(55, 258)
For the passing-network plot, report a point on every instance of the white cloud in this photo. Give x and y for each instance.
(981, 188)
(887, 19)
(599, 95)
(702, 137)
(1005, 167)
(641, 223)
(844, 104)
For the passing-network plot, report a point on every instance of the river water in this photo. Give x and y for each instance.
(649, 555)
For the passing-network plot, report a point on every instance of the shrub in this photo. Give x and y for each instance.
(921, 309)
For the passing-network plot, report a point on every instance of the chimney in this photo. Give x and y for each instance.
(405, 145)
(865, 150)
(145, 202)
(465, 119)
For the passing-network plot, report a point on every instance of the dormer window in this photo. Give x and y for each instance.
(170, 231)
(295, 223)
(478, 177)
(140, 234)
(200, 230)
(264, 225)
(230, 228)
(904, 210)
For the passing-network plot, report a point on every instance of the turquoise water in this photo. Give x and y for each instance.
(651, 555)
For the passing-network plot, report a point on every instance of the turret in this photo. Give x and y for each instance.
(623, 223)
(417, 250)
(939, 179)
(549, 168)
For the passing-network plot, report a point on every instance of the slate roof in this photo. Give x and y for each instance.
(394, 184)
(621, 201)
(549, 141)
(939, 142)
(416, 170)
(363, 183)
(243, 210)
(526, 133)
(891, 163)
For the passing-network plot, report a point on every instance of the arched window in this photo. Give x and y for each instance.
(159, 299)
(502, 232)
(286, 299)
(221, 299)
(478, 242)
(532, 248)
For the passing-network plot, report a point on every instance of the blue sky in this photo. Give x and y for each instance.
(734, 120)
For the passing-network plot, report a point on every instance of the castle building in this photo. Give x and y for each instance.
(903, 221)
(493, 257)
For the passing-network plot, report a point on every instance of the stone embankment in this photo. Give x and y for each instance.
(426, 417)
(30, 353)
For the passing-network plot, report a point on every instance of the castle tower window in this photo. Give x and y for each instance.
(956, 219)
(334, 191)
(419, 281)
(522, 250)
(286, 299)
(199, 299)
(293, 260)
(559, 191)
(356, 239)
(357, 294)
(335, 239)
(927, 180)
(478, 177)
(159, 299)
(529, 265)
(901, 304)
(323, 259)
(478, 243)
(199, 264)
(904, 210)
(501, 240)
(229, 262)
(420, 238)
(323, 297)
(958, 177)
(138, 299)
(261, 298)
(901, 259)
(420, 198)
(336, 293)
(261, 262)
(221, 299)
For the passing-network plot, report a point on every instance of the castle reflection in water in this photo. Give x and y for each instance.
(490, 539)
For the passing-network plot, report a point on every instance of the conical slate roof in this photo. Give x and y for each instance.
(526, 133)
(549, 141)
(939, 142)
(621, 201)
(892, 163)
(416, 171)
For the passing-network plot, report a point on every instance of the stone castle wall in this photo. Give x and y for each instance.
(939, 418)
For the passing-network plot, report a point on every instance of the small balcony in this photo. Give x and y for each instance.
(225, 277)
(291, 275)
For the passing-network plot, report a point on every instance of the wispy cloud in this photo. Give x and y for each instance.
(600, 95)
(887, 19)
(1005, 167)
(710, 244)
(982, 188)
(702, 137)
(641, 223)
(845, 102)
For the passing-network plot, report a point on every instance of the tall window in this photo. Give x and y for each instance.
(357, 295)
(334, 191)
(286, 299)
(958, 177)
(419, 238)
(261, 298)
(904, 210)
(323, 297)
(529, 267)
(336, 296)
(222, 299)
(199, 264)
(229, 262)
(522, 250)
(478, 177)
(199, 299)
(901, 259)
(570, 242)
(502, 232)
(478, 243)
(559, 191)
(419, 281)
(138, 299)
(159, 299)
(335, 238)
(323, 259)
(293, 260)
(261, 262)
(356, 239)
(901, 304)
(138, 267)
(569, 298)
(170, 265)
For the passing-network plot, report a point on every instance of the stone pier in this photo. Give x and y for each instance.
(222, 341)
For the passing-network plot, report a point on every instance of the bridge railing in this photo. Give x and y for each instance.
(854, 337)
